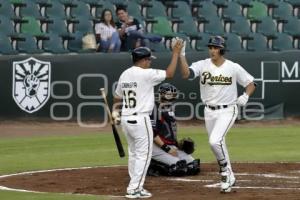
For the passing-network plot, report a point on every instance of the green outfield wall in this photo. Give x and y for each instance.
(66, 87)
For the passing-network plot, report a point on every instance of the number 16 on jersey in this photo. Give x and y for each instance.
(129, 98)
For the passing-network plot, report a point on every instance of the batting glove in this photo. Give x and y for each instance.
(116, 117)
(182, 52)
(243, 99)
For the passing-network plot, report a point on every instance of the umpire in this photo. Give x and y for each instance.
(170, 157)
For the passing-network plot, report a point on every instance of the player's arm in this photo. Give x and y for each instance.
(170, 71)
(164, 146)
(250, 88)
(184, 67)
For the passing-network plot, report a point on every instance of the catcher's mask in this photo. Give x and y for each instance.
(217, 41)
(140, 53)
(167, 92)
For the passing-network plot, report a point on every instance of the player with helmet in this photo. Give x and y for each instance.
(135, 91)
(170, 157)
(218, 87)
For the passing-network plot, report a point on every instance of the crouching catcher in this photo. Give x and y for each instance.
(170, 157)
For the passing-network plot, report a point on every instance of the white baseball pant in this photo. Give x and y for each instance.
(218, 122)
(139, 135)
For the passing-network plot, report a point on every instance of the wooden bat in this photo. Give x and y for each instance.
(114, 129)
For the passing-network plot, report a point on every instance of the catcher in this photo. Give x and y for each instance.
(169, 156)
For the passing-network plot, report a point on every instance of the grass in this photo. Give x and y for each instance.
(257, 144)
(8, 195)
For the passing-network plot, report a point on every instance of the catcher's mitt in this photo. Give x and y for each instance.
(187, 145)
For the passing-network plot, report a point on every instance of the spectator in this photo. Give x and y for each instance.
(106, 34)
(131, 31)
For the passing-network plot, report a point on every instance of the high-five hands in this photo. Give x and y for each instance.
(181, 42)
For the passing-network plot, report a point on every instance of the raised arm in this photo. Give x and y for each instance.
(170, 71)
(184, 67)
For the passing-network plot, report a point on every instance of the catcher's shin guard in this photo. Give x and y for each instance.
(178, 169)
(193, 168)
(157, 168)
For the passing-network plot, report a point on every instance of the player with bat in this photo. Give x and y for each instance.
(135, 90)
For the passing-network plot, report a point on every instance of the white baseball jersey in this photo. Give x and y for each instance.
(218, 84)
(104, 30)
(136, 87)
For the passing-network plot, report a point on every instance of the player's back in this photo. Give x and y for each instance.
(136, 86)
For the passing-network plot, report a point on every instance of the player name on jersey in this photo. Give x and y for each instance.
(215, 80)
(129, 85)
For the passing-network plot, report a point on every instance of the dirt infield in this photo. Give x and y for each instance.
(254, 181)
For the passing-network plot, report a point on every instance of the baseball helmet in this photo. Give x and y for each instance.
(217, 41)
(140, 53)
(167, 92)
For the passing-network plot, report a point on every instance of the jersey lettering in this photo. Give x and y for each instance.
(215, 80)
(129, 98)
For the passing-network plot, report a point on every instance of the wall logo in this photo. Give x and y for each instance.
(31, 84)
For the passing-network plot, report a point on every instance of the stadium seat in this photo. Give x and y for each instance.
(75, 43)
(282, 42)
(244, 3)
(57, 26)
(119, 2)
(55, 9)
(267, 27)
(220, 3)
(207, 10)
(257, 42)
(180, 9)
(28, 45)
(80, 9)
(240, 25)
(292, 27)
(162, 26)
(6, 9)
(296, 7)
(214, 25)
(6, 26)
(134, 10)
(233, 42)
(54, 44)
(232, 9)
(187, 26)
(30, 8)
(282, 11)
(5, 45)
(269, 3)
(155, 9)
(31, 26)
(201, 44)
(257, 10)
(92, 2)
(81, 24)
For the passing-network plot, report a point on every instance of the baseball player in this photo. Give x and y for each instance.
(170, 157)
(136, 91)
(218, 88)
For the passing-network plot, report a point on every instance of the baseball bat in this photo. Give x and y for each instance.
(114, 129)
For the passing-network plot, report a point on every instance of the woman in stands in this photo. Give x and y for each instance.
(106, 34)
